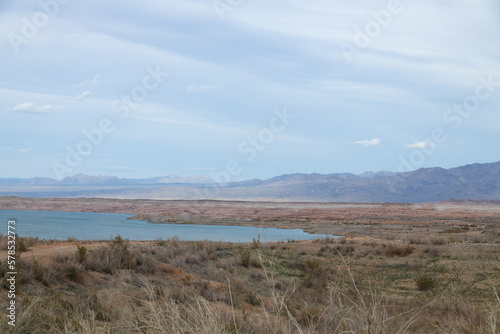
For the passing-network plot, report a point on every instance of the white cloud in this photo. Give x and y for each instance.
(30, 107)
(207, 169)
(116, 169)
(83, 95)
(27, 149)
(20, 150)
(95, 81)
(420, 144)
(203, 88)
(366, 143)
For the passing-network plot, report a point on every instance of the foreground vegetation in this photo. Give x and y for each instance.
(342, 285)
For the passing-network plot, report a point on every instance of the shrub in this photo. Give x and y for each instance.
(255, 263)
(312, 265)
(81, 254)
(256, 243)
(438, 241)
(310, 316)
(21, 246)
(477, 239)
(370, 242)
(253, 298)
(118, 240)
(245, 258)
(417, 241)
(247, 261)
(425, 283)
(73, 273)
(145, 264)
(432, 251)
(112, 257)
(394, 250)
(345, 250)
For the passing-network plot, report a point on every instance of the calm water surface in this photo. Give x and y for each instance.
(103, 226)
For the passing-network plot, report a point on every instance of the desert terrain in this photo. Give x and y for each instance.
(461, 220)
(416, 268)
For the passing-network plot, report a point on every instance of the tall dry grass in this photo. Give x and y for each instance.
(124, 288)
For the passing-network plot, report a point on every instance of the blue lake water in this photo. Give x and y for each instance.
(104, 226)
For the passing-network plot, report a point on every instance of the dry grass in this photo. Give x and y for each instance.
(25, 243)
(328, 286)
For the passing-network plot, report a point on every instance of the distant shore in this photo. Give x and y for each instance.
(457, 218)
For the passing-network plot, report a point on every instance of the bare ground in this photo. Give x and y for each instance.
(461, 220)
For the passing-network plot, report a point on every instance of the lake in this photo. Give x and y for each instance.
(104, 226)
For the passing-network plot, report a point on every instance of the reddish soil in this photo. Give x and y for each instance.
(46, 252)
(371, 219)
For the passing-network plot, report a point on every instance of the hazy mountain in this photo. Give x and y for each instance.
(475, 182)
(100, 180)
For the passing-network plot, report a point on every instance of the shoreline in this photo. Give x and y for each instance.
(453, 219)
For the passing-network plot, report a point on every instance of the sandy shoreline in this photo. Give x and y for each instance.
(342, 219)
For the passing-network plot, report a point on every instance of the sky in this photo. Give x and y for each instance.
(239, 89)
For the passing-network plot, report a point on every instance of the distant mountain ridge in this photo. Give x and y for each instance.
(83, 179)
(470, 182)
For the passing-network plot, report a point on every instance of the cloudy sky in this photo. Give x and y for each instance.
(249, 89)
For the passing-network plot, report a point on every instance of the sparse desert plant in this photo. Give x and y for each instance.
(370, 242)
(477, 239)
(161, 315)
(111, 257)
(144, 263)
(81, 254)
(425, 283)
(3, 242)
(256, 242)
(312, 265)
(21, 246)
(398, 250)
(326, 240)
(437, 241)
(73, 273)
(345, 294)
(245, 258)
(160, 242)
(345, 250)
(432, 251)
(417, 241)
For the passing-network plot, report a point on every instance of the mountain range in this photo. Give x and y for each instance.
(472, 182)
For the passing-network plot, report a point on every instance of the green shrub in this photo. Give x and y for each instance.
(395, 250)
(310, 316)
(72, 273)
(425, 283)
(256, 243)
(245, 258)
(81, 254)
(21, 246)
(312, 265)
